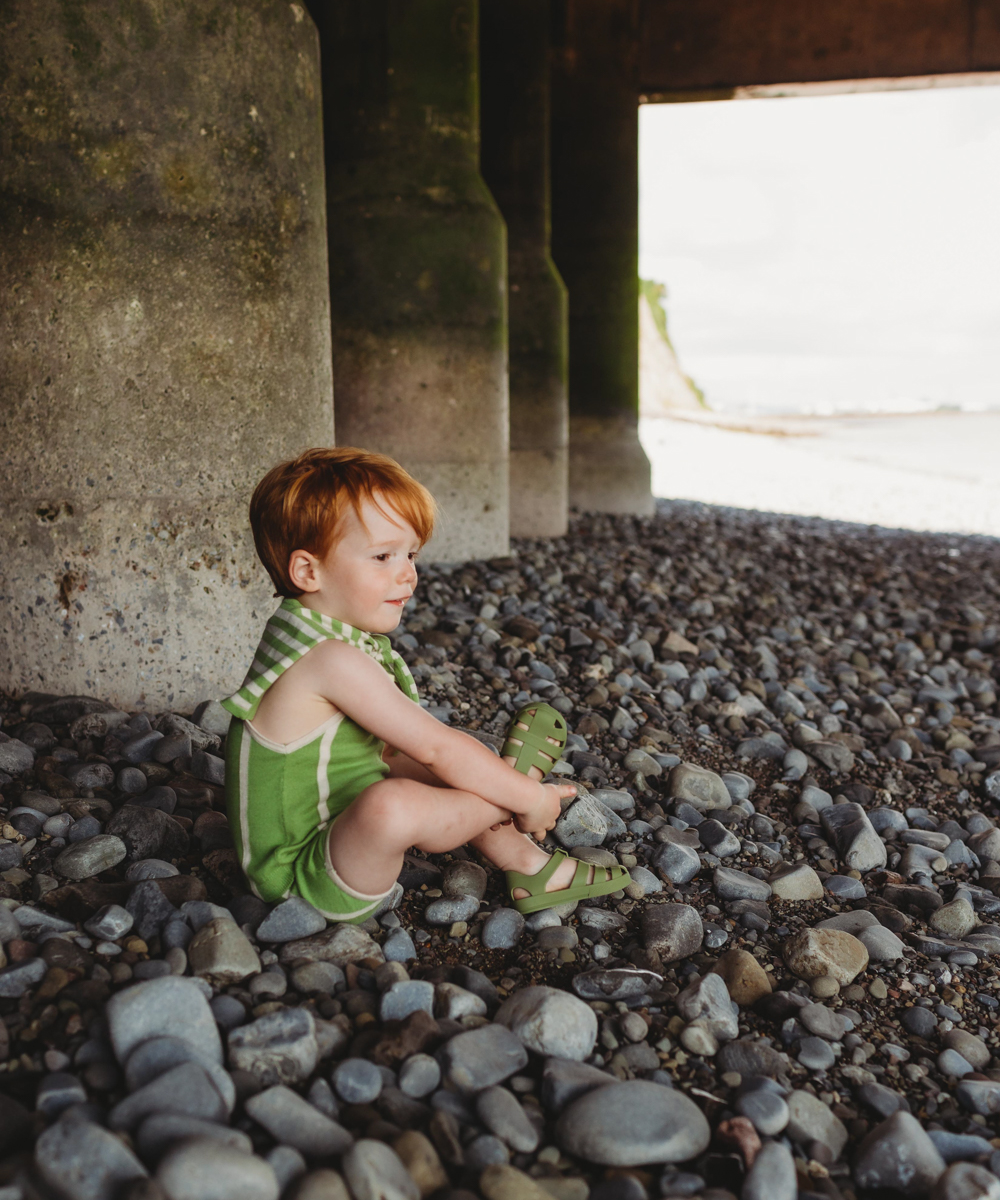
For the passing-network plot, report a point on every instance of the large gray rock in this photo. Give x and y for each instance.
(21, 977)
(817, 952)
(155, 1057)
(673, 930)
(148, 832)
(295, 1122)
(205, 1169)
(169, 1007)
(966, 1181)
(810, 1120)
(699, 787)
(83, 1161)
(550, 1022)
(374, 1171)
(90, 857)
(340, 944)
(859, 846)
(584, 823)
(292, 918)
(279, 1047)
(679, 863)
(186, 1090)
(482, 1057)
(708, 1003)
(731, 884)
(898, 1155)
(221, 953)
(628, 1124)
(772, 1176)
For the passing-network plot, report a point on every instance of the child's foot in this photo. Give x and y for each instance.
(549, 885)
(561, 877)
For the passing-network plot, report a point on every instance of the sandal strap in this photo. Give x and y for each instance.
(532, 747)
(535, 884)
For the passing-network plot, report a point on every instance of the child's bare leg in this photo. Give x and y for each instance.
(512, 850)
(368, 840)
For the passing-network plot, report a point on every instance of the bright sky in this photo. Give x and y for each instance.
(837, 253)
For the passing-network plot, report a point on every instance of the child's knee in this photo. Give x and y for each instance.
(386, 806)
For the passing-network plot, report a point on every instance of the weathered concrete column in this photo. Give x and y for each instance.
(514, 64)
(595, 244)
(164, 333)
(417, 258)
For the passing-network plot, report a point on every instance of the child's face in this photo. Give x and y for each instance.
(369, 574)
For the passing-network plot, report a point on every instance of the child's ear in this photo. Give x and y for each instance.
(302, 570)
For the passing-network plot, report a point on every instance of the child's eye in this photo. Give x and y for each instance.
(381, 557)
(414, 555)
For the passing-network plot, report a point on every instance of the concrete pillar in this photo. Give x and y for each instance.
(514, 64)
(595, 244)
(164, 333)
(417, 258)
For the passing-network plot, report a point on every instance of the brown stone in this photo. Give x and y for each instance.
(56, 978)
(745, 978)
(180, 888)
(225, 866)
(400, 1039)
(421, 1161)
(77, 901)
(508, 1183)
(816, 952)
(19, 951)
(739, 1133)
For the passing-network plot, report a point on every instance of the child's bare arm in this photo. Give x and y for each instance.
(356, 684)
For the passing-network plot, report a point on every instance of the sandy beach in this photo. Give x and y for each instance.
(926, 471)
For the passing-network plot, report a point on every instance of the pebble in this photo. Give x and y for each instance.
(810, 1120)
(745, 978)
(673, 931)
(405, 997)
(550, 1022)
(766, 1109)
(160, 1131)
(419, 1075)
(502, 929)
(356, 1081)
(796, 881)
(399, 947)
(731, 884)
(447, 911)
(628, 1124)
(503, 1116)
(292, 918)
(277, 1048)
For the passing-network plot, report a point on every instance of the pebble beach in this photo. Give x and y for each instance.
(786, 728)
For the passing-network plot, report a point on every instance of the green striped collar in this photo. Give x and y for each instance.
(291, 632)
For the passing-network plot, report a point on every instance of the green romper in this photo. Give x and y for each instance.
(283, 799)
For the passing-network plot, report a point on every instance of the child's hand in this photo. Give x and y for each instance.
(541, 819)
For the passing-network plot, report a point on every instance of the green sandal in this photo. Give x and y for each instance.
(530, 747)
(538, 898)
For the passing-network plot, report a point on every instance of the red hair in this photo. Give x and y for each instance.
(299, 504)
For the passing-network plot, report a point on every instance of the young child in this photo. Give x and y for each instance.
(333, 769)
